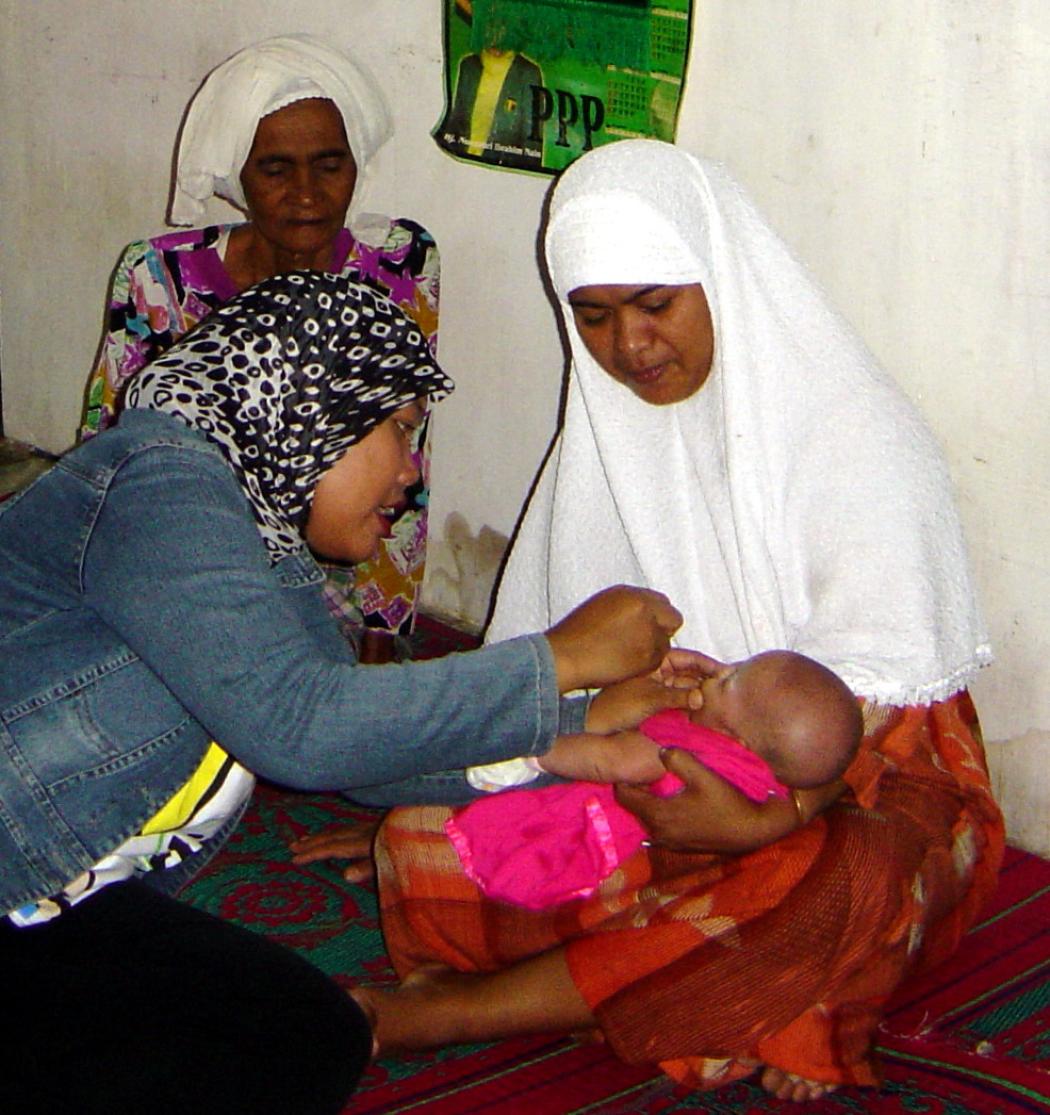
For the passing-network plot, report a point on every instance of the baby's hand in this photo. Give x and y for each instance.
(619, 757)
(627, 703)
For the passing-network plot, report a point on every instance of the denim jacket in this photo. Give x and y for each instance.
(140, 617)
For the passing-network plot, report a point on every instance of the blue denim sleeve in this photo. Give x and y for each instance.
(450, 787)
(176, 566)
(573, 715)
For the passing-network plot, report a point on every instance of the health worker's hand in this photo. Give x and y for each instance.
(616, 634)
(620, 757)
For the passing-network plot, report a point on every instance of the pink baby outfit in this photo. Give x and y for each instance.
(539, 848)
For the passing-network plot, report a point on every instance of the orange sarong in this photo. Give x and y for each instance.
(707, 964)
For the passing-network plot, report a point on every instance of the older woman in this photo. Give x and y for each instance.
(157, 591)
(729, 440)
(285, 130)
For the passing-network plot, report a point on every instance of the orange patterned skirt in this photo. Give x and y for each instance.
(707, 964)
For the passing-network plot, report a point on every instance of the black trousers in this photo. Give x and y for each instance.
(133, 1002)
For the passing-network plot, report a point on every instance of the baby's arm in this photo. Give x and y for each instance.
(627, 703)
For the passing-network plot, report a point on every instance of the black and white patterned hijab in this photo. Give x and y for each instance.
(284, 379)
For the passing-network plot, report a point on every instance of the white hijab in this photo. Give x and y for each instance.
(797, 500)
(219, 128)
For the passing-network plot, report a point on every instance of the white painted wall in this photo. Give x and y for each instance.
(903, 148)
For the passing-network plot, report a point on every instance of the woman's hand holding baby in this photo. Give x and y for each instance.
(616, 634)
(709, 815)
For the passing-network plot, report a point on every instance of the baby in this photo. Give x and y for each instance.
(770, 724)
(787, 709)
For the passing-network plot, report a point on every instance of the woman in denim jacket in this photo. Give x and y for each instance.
(157, 593)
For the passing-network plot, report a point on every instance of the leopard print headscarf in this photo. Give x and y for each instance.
(284, 378)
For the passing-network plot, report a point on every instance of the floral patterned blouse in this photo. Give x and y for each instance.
(164, 286)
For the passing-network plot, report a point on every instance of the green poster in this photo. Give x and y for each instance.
(532, 84)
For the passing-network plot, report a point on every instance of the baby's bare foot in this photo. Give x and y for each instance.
(790, 1086)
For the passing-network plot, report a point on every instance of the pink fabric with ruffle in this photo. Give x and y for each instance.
(539, 848)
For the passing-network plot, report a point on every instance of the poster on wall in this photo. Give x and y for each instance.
(532, 84)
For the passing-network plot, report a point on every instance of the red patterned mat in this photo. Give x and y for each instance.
(972, 1037)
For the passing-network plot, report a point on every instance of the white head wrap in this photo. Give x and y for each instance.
(797, 500)
(219, 129)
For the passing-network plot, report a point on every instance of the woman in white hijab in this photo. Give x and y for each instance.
(286, 131)
(728, 440)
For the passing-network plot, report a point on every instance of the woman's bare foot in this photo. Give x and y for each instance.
(790, 1086)
(420, 1013)
(436, 1006)
(362, 997)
